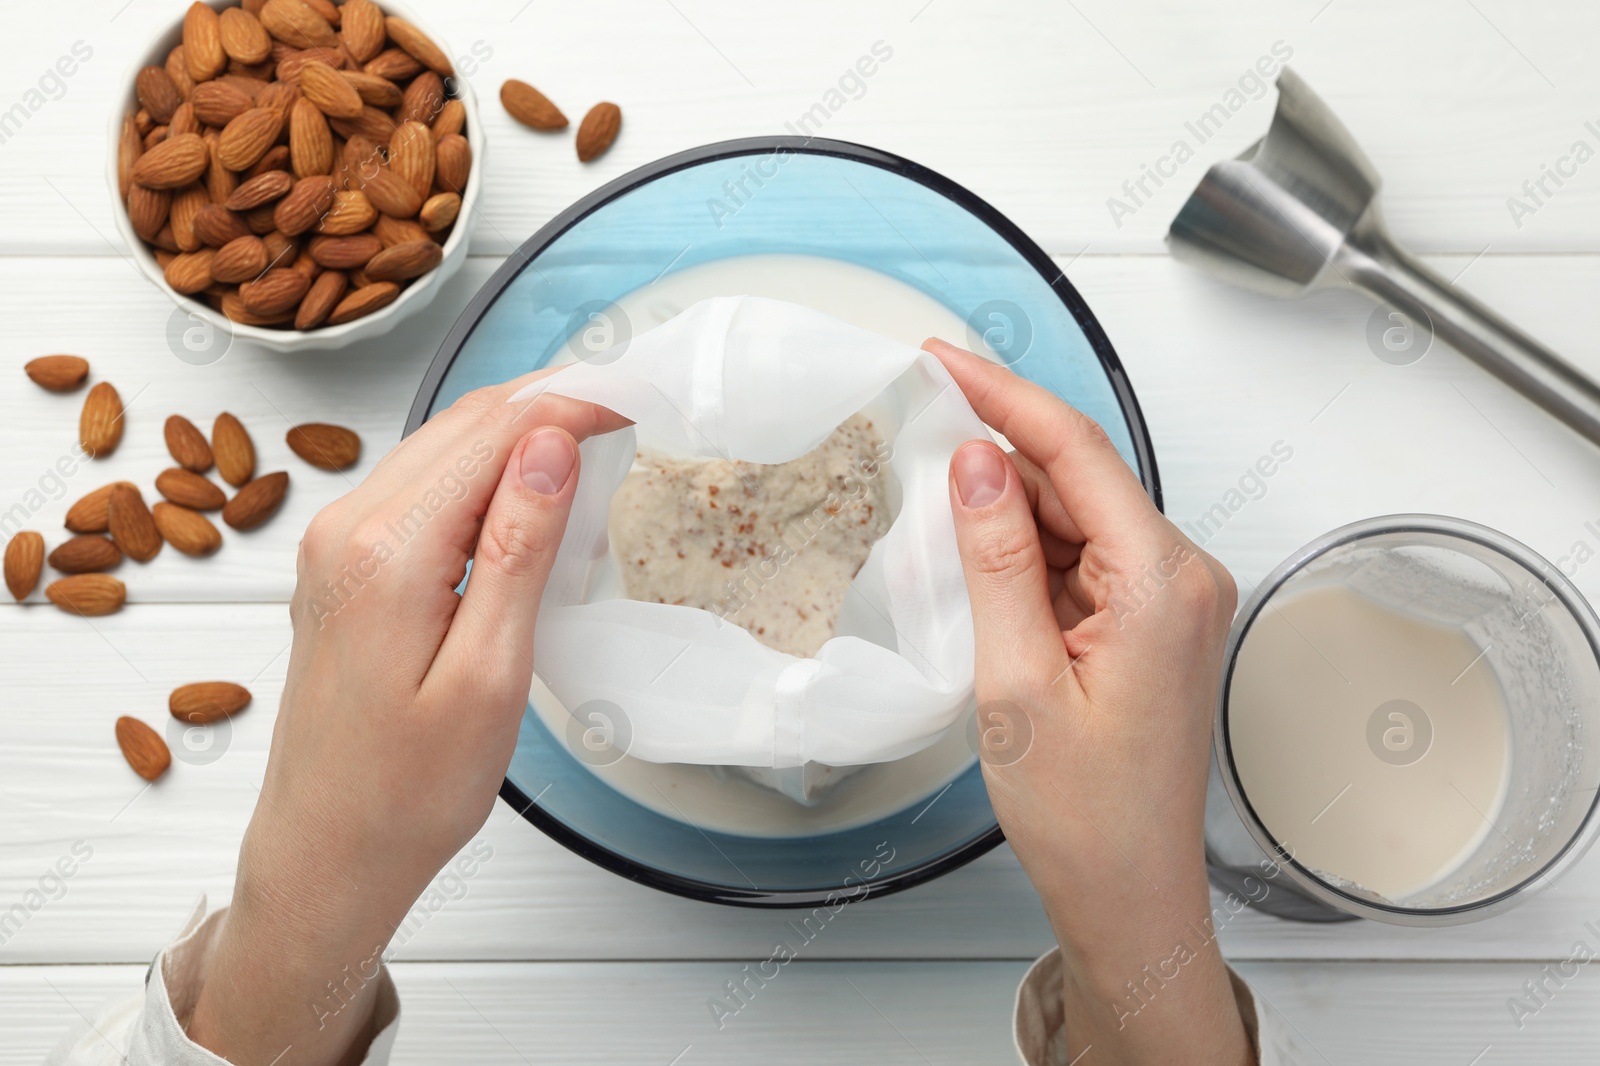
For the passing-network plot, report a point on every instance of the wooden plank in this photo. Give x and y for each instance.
(1222, 375)
(1402, 1013)
(1044, 109)
(62, 780)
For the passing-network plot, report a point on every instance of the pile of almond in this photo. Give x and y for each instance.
(114, 521)
(295, 164)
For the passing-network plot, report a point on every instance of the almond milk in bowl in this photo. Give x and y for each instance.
(865, 237)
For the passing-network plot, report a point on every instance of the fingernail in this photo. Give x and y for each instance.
(547, 461)
(980, 474)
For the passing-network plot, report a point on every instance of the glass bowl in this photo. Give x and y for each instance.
(1538, 639)
(774, 196)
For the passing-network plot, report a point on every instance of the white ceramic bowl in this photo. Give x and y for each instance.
(414, 297)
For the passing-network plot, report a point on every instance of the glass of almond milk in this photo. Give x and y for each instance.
(1409, 720)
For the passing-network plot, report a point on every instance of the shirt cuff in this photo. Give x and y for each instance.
(1040, 1023)
(148, 1030)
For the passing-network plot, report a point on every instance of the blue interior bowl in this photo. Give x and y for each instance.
(757, 196)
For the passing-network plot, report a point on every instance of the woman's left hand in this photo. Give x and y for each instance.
(399, 715)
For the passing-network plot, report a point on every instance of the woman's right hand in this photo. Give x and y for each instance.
(1100, 630)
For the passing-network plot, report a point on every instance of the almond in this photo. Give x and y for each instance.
(371, 123)
(597, 130)
(452, 118)
(244, 38)
(165, 242)
(453, 163)
(241, 259)
(411, 157)
(92, 513)
(361, 29)
(275, 292)
(323, 296)
(307, 266)
(297, 25)
(187, 444)
(130, 146)
(417, 45)
(186, 205)
(256, 502)
(363, 301)
(423, 98)
(277, 158)
(157, 94)
(334, 96)
(530, 107)
(393, 231)
(404, 261)
(292, 64)
(305, 205)
(177, 68)
(220, 181)
(205, 702)
(188, 489)
(23, 563)
(261, 189)
(58, 373)
(280, 96)
(345, 253)
(392, 194)
(351, 213)
(326, 9)
(202, 43)
(86, 554)
(132, 527)
(183, 121)
(155, 137)
(251, 85)
(91, 595)
(216, 227)
(173, 163)
(100, 422)
(148, 209)
(310, 140)
(394, 64)
(325, 446)
(373, 90)
(439, 211)
(190, 272)
(281, 248)
(235, 310)
(143, 747)
(233, 449)
(190, 532)
(247, 138)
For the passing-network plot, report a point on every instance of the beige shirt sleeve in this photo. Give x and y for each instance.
(148, 1029)
(1040, 1023)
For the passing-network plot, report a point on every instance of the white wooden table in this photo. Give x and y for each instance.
(1043, 108)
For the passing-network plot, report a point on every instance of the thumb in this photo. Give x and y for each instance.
(492, 632)
(1019, 645)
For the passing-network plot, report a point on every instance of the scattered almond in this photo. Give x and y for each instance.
(92, 513)
(235, 453)
(190, 532)
(143, 747)
(58, 373)
(204, 702)
(597, 130)
(187, 444)
(90, 595)
(188, 489)
(100, 422)
(86, 553)
(325, 446)
(256, 502)
(24, 560)
(132, 527)
(530, 107)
